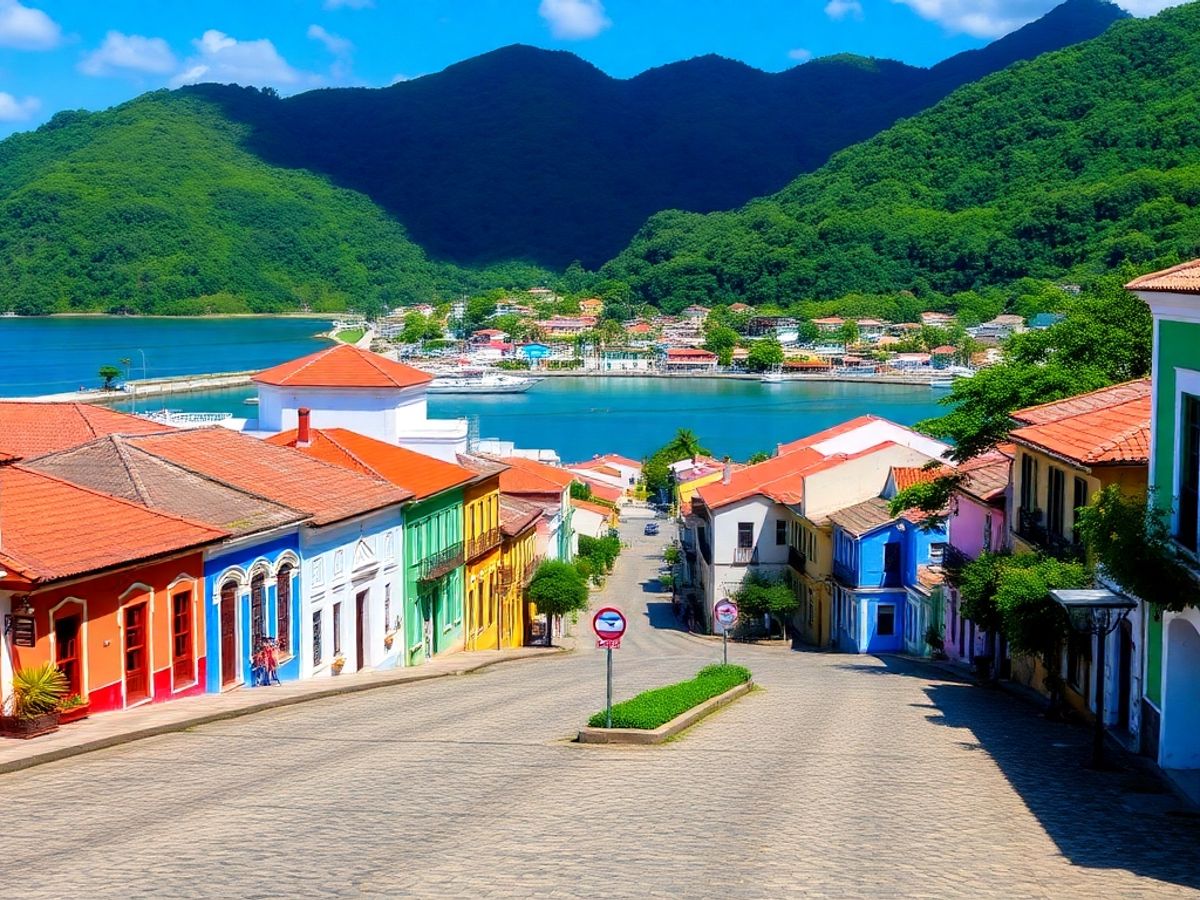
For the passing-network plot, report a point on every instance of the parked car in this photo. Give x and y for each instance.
(651, 528)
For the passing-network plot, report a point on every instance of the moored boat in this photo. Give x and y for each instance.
(478, 382)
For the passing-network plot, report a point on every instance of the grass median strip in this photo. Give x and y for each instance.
(656, 707)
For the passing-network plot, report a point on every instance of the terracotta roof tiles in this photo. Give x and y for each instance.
(343, 366)
(863, 517)
(1104, 398)
(29, 429)
(517, 515)
(1181, 279)
(1113, 435)
(527, 476)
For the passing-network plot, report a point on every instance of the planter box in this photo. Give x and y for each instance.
(668, 730)
(13, 727)
(73, 714)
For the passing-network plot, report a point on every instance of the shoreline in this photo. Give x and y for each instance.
(188, 384)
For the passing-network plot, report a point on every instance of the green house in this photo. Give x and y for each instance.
(433, 574)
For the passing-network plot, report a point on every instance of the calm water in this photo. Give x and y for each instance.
(580, 417)
(53, 355)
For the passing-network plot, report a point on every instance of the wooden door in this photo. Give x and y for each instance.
(229, 668)
(137, 654)
(182, 668)
(67, 652)
(360, 612)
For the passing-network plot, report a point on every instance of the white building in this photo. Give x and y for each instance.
(345, 387)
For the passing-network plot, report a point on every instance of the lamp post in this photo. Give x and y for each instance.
(1095, 612)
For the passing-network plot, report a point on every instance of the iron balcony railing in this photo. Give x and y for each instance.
(844, 574)
(797, 560)
(441, 563)
(483, 542)
(1031, 528)
(745, 556)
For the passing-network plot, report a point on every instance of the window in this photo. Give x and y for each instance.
(1056, 500)
(745, 534)
(1028, 483)
(1080, 500)
(987, 531)
(181, 637)
(885, 620)
(283, 608)
(337, 629)
(780, 532)
(318, 655)
(258, 605)
(936, 553)
(891, 562)
(1189, 476)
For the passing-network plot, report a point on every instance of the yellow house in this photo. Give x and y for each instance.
(518, 560)
(693, 474)
(481, 543)
(1065, 453)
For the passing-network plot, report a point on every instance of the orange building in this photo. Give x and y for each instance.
(107, 590)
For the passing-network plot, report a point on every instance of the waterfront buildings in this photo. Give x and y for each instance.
(549, 488)
(688, 359)
(29, 429)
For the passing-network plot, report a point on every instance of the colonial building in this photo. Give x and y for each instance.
(518, 562)
(549, 487)
(346, 387)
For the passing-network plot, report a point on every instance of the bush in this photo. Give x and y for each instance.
(558, 588)
(37, 690)
(656, 707)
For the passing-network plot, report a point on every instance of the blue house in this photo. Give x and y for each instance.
(533, 352)
(882, 578)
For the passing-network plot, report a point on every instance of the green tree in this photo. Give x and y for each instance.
(761, 595)
(109, 374)
(721, 340)
(848, 333)
(581, 491)
(557, 589)
(760, 456)
(765, 354)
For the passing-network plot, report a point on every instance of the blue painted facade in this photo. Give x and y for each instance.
(872, 573)
(230, 571)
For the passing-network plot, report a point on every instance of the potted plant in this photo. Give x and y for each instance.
(388, 640)
(337, 665)
(33, 710)
(72, 709)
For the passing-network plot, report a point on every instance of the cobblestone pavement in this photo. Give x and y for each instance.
(843, 776)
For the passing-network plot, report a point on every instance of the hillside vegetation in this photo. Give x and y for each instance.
(1081, 161)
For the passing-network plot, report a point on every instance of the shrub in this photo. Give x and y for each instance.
(37, 690)
(558, 588)
(656, 707)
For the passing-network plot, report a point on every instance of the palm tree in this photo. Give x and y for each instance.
(685, 445)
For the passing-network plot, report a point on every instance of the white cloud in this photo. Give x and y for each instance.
(996, 18)
(574, 20)
(800, 54)
(335, 44)
(26, 28)
(840, 9)
(14, 110)
(224, 59)
(131, 53)
(348, 4)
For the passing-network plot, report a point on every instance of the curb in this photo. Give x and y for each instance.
(657, 735)
(128, 737)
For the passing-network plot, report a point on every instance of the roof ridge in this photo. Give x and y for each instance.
(374, 473)
(121, 500)
(123, 454)
(1119, 384)
(1120, 438)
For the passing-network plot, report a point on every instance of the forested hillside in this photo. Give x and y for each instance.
(1077, 162)
(155, 207)
(532, 154)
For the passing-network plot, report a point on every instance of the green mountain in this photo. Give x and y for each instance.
(1078, 162)
(154, 206)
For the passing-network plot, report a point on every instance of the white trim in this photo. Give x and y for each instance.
(238, 594)
(171, 592)
(83, 638)
(1155, 345)
(1172, 305)
(287, 556)
(237, 575)
(1187, 381)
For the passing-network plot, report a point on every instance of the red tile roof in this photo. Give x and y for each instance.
(608, 458)
(820, 436)
(420, 476)
(517, 515)
(1104, 398)
(602, 490)
(52, 529)
(1181, 279)
(689, 353)
(986, 476)
(597, 508)
(1116, 435)
(29, 429)
(343, 366)
(944, 350)
(527, 476)
(328, 493)
(775, 478)
(905, 477)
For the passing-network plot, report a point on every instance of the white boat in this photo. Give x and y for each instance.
(467, 382)
(942, 384)
(775, 376)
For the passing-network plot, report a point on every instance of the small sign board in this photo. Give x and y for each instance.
(24, 634)
(609, 624)
(726, 613)
(608, 643)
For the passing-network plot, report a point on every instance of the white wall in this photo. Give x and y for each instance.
(1180, 742)
(726, 577)
(854, 480)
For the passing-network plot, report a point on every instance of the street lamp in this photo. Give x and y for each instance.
(1095, 612)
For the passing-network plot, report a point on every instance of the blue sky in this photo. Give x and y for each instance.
(70, 54)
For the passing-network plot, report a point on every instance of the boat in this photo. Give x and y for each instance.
(478, 382)
(775, 376)
(942, 384)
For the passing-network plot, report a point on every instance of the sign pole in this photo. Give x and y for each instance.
(725, 646)
(608, 700)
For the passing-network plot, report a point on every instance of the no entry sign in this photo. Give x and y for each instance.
(609, 625)
(726, 613)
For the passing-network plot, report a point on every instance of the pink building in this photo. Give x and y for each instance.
(975, 525)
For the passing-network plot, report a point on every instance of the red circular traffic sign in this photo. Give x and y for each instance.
(726, 613)
(608, 623)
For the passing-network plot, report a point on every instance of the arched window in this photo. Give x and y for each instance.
(258, 606)
(283, 608)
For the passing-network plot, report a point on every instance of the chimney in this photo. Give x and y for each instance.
(727, 475)
(779, 448)
(303, 427)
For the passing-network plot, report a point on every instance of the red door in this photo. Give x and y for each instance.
(137, 655)
(182, 669)
(66, 652)
(228, 639)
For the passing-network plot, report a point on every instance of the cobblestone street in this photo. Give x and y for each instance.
(842, 776)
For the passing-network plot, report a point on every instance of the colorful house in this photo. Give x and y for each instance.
(427, 606)
(107, 590)
(481, 578)
(549, 487)
(350, 546)
(1171, 661)
(254, 571)
(518, 562)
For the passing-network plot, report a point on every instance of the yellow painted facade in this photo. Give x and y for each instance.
(686, 490)
(518, 555)
(481, 548)
(812, 545)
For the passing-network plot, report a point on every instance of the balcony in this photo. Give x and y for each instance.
(844, 574)
(1032, 530)
(483, 542)
(745, 556)
(441, 563)
(797, 560)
